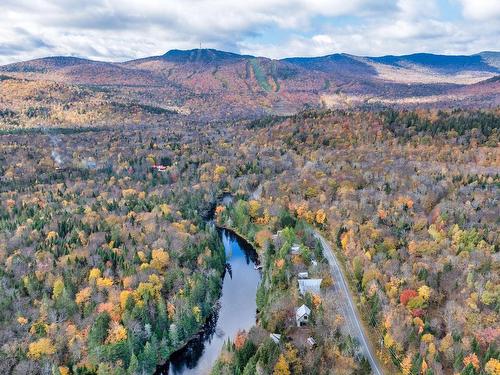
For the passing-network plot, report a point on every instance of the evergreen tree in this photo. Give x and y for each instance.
(133, 367)
(148, 358)
(99, 330)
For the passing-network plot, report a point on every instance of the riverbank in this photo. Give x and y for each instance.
(242, 237)
(284, 339)
(235, 310)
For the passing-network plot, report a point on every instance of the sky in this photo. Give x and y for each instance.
(120, 30)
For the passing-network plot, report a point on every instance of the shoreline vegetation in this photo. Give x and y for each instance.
(254, 351)
(203, 328)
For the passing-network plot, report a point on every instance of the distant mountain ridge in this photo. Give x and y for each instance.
(439, 62)
(483, 61)
(213, 84)
(202, 56)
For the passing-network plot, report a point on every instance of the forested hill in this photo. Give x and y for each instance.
(210, 84)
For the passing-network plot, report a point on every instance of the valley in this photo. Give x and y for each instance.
(367, 188)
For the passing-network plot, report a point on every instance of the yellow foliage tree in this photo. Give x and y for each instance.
(309, 216)
(219, 169)
(406, 365)
(428, 338)
(40, 348)
(94, 274)
(344, 239)
(142, 256)
(129, 193)
(446, 343)
(320, 216)
(425, 292)
(281, 367)
(83, 295)
(159, 259)
(432, 349)
(147, 290)
(116, 333)
(388, 340)
(104, 282)
(124, 294)
(57, 288)
(293, 359)
(197, 313)
(51, 236)
(253, 208)
(492, 367)
(301, 210)
(165, 209)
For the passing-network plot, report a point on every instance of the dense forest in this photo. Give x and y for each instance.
(410, 200)
(108, 265)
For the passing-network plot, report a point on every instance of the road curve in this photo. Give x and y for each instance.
(347, 305)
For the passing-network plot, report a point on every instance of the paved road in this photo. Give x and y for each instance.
(347, 305)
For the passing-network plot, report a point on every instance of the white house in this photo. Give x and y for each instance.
(276, 337)
(302, 315)
(309, 285)
(295, 249)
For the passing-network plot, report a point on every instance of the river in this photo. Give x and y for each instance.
(237, 311)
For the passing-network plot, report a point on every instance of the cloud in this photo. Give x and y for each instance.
(481, 9)
(126, 29)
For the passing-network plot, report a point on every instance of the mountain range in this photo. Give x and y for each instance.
(214, 85)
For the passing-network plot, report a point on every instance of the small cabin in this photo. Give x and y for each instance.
(303, 275)
(311, 342)
(295, 249)
(275, 337)
(310, 286)
(159, 168)
(302, 315)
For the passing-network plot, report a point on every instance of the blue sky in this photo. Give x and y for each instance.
(118, 30)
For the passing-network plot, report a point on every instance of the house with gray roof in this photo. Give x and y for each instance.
(302, 315)
(309, 286)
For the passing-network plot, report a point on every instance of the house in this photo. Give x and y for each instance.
(159, 168)
(302, 315)
(277, 236)
(309, 286)
(311, 342)
(275, 337)
(295, 249)
(303, 275)
(314, 263)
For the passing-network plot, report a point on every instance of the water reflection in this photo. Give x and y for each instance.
(236, 311)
